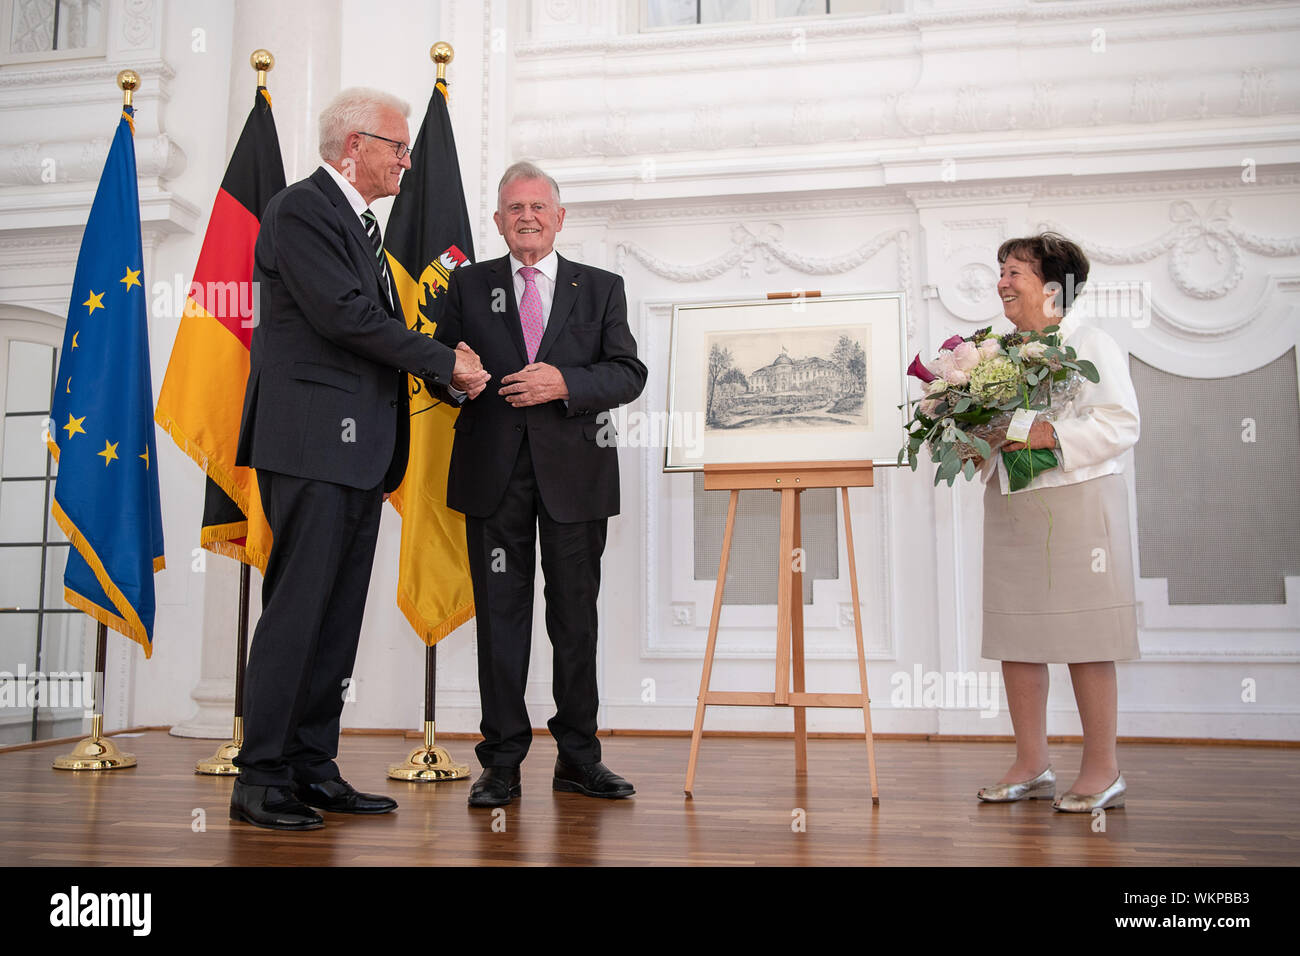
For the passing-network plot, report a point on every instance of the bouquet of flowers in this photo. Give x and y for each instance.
(974, 388)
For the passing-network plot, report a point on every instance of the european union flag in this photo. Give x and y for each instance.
(102, 433)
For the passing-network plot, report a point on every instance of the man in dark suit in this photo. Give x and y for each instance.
(325, 424)
(526, 463)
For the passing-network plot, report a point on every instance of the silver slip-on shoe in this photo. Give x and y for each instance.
(1110, 798)
(1042, 787)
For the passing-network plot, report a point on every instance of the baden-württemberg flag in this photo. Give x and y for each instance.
(102, 433)
(428, 237)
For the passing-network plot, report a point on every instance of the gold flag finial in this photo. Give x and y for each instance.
(129, 82)
(442, 54)
(263, 61)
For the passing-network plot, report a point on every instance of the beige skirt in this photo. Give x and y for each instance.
(1058, 574)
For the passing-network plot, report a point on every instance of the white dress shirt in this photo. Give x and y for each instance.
(356, 202)
(1100, 424)
(349, 191)
(547, 267)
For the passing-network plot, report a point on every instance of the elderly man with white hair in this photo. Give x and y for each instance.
(530, 465)
(326, 425)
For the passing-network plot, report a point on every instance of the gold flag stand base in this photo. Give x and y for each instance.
(95, 752)
(428, 764)
(222, 762)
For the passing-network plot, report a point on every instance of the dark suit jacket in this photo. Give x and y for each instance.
(326, 398)
(588, 340)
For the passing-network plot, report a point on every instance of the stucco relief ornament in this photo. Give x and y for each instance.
(561, 11)
(24, 164)
(747, 247)
(1212, 232)
(975, 282)
(137, 22)
(757, 246)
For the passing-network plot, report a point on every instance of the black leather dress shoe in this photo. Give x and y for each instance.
(275, 808)
(591, 779)
(339, 796)
(495, 787)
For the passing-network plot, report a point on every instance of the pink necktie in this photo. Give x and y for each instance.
(530, 312)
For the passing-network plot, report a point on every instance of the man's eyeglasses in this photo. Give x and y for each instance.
(400, 148)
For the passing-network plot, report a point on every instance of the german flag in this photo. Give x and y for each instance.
(428, 236)
(202, 395)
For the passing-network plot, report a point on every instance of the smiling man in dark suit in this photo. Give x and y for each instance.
(326, 425)
(526, 464)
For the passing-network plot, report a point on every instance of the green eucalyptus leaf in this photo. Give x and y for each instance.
(1089, 371)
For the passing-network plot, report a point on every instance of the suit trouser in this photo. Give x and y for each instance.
(313, 600)
(502, 564)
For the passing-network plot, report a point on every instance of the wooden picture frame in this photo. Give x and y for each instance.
(793, 380)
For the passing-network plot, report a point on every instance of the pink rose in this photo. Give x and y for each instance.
(989, 348)
(966, 356)
(945, 366)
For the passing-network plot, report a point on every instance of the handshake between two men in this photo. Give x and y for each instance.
(534, 384)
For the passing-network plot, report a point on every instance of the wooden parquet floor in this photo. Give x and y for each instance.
(1188, 805)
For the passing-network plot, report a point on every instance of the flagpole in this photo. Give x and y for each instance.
(97, 752)
(222, 762)
(431, 763)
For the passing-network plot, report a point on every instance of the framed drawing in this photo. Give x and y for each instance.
(816, 379)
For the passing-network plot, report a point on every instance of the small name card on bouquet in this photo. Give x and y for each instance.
(1021, 422)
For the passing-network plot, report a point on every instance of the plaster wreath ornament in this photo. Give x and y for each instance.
(1195, 238)
(1210, 233)
(977, 387)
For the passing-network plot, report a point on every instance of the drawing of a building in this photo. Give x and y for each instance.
(799, 375)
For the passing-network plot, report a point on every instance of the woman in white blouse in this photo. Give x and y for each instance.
(1058, 569)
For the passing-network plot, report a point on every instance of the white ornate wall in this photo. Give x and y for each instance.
(889, 152)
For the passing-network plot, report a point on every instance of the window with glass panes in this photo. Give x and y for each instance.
(46, 26)
(41, 634)
(657, 14)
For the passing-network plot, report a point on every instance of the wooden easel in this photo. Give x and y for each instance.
(791, 479)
